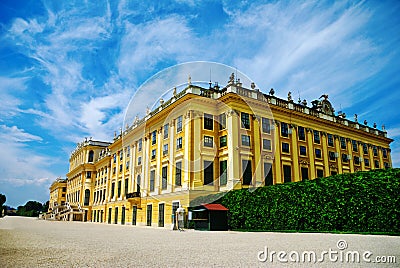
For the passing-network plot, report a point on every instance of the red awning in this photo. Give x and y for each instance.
(214, 207)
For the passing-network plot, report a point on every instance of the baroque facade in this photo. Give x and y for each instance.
(209, 140)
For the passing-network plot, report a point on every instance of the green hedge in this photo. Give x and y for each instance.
(359, 202)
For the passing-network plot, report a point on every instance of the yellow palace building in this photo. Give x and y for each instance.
(213, 139)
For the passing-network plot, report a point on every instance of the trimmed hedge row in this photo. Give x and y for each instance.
(358, 202)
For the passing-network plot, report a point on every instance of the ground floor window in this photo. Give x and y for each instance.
(208, 172)
(161, 215)
(109, 215)
(223, 165)
(287, 173)
(304, 173)
(134, 215)
(268, 175)
(149, 214)
(247, 173)
(116, 216)
(123, 216)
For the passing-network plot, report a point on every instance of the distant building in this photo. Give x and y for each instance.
(209, 140)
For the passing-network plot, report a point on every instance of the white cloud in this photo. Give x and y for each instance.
(17, 135)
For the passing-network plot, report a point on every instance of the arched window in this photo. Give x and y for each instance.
(91, 154)
(87, 196)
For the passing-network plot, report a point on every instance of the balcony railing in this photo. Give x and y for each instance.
(133, 195)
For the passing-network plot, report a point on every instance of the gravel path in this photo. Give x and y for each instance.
(29, 242)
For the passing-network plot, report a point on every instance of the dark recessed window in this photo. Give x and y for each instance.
(266, 125)
(222, 121)
(303, 150)
(208, 141)
(153, 154)
(366, 162)
(355, 145)
(345, 158)
(139, 145)
(154, 137)
(377, 164)
(302, 133)
(245, 140)
(165, 149)
(342, 143)
(179, 143)
(332, 156)
(208, 121)
(223, 174)
(330, 140)
(317, 138)
(268, 174)
(320, 173)
(356, 160)
(245, 118)
(284, 130)
(267, 144)
(222, 141)
(247, 172)
(304, 174)
(208, 172)
(375, 150)
(386, 164)
(164, 177)
(285, 147)
(139, 160)
(119, 189)
(179, 124)
(166, 129)
(287, 173)
(152, 180)
(318, 153)
(384, 153)
(178, 173)
(365, 148)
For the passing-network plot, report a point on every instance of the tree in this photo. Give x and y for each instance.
(3, 199)
(46, 206)
(31, 209)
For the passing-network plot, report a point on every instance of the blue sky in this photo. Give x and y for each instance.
(69, 68)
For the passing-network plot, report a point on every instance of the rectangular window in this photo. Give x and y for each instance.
(366, 162)
(179, 143)
(128, 151)
(342, 143)
(154, 137)
(119, 189)
(223, 176)
(376, 164)
(153, 154)
(222, 121)
(375, 150)
(266, 125)
(303, 150)
(317, 138)
(320, 173)
(164, 176)
(208, 121)
(88, 174)
(166, 128)
(245, 140)
(140, 145)
(304, 174)
(247, 172)
(222, 141)
(284, 130)
(165, 149)
(152, 180)
(268, 175)
(332, 156)
(386, 164)
(112, 189)
(149, 214)
(208, 141)
(356, 160)
(355, 145)
(384, 153)
(330, 140)
(365, 148)
(126, 186)
(120, 168)
(287, 173)
(178, 174)
(127, 165)
(345, 158)
(302, 133)
(208, 172)
(267, 144)
(179, 124)
(120, 155)
(318, 153)
(245, 119)
(115, 158)
(285, 147)
(139, 160)
(114, 170)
